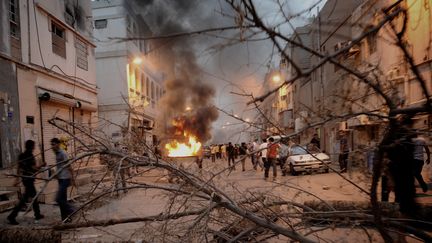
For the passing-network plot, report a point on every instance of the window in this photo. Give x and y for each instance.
(69, 16)
(137, 81)
(147, 88)
(372, 42)
(58, 35)
(14, 29)
(81, 53)
(152, 91)
(101, 23)
(157, 93)
(14, 18)
(142, 84)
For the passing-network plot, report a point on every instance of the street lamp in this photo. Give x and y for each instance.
(276, 78)
(137, 60)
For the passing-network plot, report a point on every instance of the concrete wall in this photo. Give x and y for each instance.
(9, 115)
(9, 105)
(40, 41)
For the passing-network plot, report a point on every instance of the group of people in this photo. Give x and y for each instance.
(28, 169)
(264, 155)
(230, 153)
(404, 149)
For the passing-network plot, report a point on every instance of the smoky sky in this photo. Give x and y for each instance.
(209, 68)
(187, 95)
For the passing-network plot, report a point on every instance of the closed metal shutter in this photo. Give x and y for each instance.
(49, 111)
(82, 119)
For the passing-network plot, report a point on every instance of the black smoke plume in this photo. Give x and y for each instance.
(188, 99)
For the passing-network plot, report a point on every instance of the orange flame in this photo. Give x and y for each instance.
(176, 149)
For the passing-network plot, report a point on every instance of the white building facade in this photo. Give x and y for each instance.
(129, 84)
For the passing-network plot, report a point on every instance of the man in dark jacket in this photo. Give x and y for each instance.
(27, 169)
(242, 153)
(400, 151)
(231, 154)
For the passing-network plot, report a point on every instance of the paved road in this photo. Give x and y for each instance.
(329, 186)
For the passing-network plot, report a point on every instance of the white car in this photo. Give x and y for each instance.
(300, 159)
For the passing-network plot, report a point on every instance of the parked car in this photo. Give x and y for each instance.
(207, 152)
(300, 160)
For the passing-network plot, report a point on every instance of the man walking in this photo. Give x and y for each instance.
(27, 168)
(243, 152)
(272, 152)
(230, 154)
(263, 148)
(315, 141)
(64, 177)
(213, 152)
(419, 144)
(344, 151)
(283, 155)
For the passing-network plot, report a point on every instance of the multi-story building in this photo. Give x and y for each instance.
(129, 83)
(10, 54)
(319, 95)
(276, 114)
(304, 90)
(330, 94)
(378, 54)
(48, 71)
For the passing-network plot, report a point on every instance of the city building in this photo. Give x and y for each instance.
(129, 83)
(330, 100)
(48, 72)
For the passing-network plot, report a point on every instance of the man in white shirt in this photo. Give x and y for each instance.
(263, 146)
(255, 156)
(283, 155)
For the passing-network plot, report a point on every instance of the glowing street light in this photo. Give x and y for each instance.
(188, 108)
(137, 60)
(276, 78)
(247, 120)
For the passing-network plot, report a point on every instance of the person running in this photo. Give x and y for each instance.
(27, 169)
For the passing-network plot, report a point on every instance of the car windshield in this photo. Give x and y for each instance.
(297, 150)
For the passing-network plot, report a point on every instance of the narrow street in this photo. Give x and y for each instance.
(140, 203)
